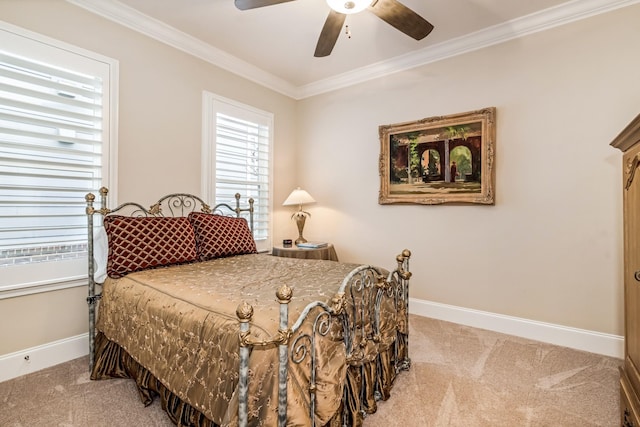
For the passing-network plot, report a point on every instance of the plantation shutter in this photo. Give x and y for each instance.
(242, 165)
(50, 156)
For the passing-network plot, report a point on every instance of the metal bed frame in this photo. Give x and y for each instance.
(357, 302)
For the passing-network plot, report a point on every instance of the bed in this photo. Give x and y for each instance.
(186, 308)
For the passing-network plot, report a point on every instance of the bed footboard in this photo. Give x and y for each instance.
(369, 314)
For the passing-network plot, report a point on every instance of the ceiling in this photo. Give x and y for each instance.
(274, 45)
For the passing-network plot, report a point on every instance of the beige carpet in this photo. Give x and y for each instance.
(460, 376)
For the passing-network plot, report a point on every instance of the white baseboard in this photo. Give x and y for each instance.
(33, 359)
(580, 339)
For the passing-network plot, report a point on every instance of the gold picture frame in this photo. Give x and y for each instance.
(436, 160)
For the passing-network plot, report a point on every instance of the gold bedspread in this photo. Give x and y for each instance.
(180, 324)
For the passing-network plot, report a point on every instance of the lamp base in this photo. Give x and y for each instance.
(300, 218)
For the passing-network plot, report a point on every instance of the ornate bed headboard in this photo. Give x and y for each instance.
(174, 205)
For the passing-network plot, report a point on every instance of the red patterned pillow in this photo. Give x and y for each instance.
(146, 242)
(221, 236)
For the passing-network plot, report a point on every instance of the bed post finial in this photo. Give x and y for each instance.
(244, 312)
(284, 294)
(90, 198)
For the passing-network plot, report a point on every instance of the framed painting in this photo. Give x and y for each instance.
(445, 159)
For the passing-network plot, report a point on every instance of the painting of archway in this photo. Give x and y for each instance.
(462, 158)
(439, 159)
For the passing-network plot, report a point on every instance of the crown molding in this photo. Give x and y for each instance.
(539, 21)
(131, 18)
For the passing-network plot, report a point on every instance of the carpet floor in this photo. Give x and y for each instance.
(460, 376)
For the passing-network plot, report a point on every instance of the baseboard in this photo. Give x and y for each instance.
(580, 339)
(33, 359)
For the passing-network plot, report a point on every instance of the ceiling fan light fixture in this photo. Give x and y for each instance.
(348, 6)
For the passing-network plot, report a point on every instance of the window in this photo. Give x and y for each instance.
(237, 159)
(56, 140)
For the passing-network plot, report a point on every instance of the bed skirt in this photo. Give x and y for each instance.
(366, 384)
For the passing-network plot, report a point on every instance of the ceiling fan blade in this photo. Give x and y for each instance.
(254, 4)
(402, 18)
(329, 34)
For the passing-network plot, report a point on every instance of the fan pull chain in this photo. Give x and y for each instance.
(347, 31)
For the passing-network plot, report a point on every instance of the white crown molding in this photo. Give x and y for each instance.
(509, 30)
(540, 21)
(131, 18)
(579, 339)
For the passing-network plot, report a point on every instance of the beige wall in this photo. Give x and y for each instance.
(550, 248)
(42, 318)
(160, 128)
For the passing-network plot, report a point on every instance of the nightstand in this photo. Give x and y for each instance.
(328, 252)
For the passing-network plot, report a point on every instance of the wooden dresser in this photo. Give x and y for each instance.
(629, 143)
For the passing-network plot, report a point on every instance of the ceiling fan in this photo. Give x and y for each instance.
(391, 11)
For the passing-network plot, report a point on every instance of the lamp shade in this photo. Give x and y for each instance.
(348, 6)
(298, 197)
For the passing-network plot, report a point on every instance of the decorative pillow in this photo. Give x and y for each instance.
(138, 243)
(221, 236)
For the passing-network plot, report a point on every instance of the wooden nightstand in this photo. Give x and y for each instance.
(328, 252)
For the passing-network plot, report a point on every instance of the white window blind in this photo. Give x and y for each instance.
(57, 138)
(240, 160)
(50, 156)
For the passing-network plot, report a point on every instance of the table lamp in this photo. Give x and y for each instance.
(299, 197)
